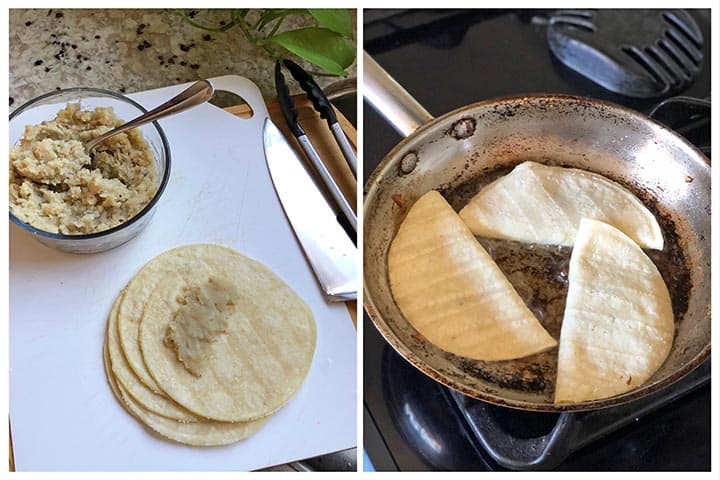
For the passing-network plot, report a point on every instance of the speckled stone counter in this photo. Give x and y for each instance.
(130, 50)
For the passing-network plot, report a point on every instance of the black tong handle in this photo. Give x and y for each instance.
(287, 105)
(313, 90)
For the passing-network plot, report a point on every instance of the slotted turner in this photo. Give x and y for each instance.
(638, 53)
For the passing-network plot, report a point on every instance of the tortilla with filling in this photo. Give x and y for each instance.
(542, 204)
(240, 363)
(450, 289)
(618, 324)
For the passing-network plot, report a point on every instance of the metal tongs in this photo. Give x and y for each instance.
(322, 105)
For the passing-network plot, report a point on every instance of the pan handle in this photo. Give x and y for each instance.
(391, 100)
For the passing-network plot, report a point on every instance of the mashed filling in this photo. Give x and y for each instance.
(57, 187)
(199, 321)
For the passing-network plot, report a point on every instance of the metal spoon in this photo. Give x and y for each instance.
(196, 94)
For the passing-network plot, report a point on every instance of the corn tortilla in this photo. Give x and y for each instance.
(130, 311)
(132, 385)
(206, 433)
(618, 325)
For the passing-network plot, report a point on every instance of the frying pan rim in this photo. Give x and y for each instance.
(510, 99)
(372, 185)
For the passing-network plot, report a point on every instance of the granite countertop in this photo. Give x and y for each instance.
(131, 50)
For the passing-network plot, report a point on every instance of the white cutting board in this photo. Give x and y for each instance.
(64, 416)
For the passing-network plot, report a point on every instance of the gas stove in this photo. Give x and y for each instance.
(447, 59)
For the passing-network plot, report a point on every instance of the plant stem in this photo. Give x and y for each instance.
(277, 26)
(258, 41)
(246, 29)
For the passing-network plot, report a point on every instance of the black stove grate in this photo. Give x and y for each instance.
(521, 440)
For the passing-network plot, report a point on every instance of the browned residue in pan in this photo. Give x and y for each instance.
(463, 128)
(539, 273)
(672, 263)
(525, 375)
(399, 200)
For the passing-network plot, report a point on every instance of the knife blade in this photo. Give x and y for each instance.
(330, 252)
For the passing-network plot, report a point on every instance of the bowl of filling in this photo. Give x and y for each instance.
(76, 201)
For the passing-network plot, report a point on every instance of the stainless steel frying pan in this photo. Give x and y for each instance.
(465, 149)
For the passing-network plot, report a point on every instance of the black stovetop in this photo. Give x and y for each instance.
(447, 59)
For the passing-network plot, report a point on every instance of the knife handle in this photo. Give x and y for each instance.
(287, 105)
(313, 90)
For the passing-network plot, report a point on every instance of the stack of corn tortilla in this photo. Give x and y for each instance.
(204, 344)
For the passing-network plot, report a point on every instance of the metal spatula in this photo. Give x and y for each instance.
(638, 53)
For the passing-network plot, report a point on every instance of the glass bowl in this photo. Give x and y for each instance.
(45, 107)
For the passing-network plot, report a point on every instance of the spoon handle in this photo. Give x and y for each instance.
(197, 93)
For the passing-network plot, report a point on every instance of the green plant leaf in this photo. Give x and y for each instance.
(336, 19)
(320, 46)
